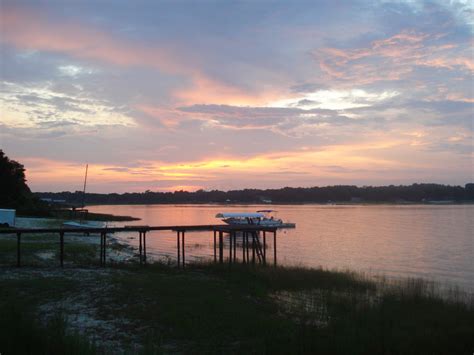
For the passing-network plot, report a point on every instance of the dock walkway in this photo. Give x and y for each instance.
(253, 240)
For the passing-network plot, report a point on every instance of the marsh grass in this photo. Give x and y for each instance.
(21, 333)
(210, 308)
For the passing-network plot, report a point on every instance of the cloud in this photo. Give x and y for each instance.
(282, 120)
(393, 58)
(33, 30)
(42, 107)
(237, 95)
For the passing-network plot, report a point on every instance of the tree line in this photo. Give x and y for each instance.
(415, 193)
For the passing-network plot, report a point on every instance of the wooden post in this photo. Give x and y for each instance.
(215, 251)
(258, 247)
(18, 249)
(247, 246)
(140, 246)
(230, 247)
(179, 249)
(61, 248)
(100, 250)
(253, 247)
(243, 247)
(105, 247)
(144, 247)
(264, 247)
(182, 248)
(221, 247)
(274, 248)
(235, 246)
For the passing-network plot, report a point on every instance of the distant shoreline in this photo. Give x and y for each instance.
(430, 194)
(453, 203)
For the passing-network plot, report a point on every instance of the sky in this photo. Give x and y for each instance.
(170, 95)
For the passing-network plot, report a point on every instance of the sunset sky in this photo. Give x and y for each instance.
(166, 95)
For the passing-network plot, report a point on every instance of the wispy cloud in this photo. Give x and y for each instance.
(393, 58)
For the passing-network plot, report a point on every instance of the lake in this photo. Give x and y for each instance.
(430, 241)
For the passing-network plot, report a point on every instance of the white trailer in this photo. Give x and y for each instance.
(7, 218)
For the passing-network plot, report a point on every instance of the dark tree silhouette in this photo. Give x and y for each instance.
(14, 192)
(415, 193)
(13, 187)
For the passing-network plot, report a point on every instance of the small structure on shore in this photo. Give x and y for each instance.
(7, 217)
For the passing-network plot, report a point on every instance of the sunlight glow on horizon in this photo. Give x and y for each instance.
(279, 95)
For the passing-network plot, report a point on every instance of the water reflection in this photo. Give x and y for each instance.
(419, 241)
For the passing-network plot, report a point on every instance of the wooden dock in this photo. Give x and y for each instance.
(253, 240)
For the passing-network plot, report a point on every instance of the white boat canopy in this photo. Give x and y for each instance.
(239, 215)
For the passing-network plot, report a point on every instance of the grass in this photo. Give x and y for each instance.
(211, 308)
(43, 250)
(21, 332)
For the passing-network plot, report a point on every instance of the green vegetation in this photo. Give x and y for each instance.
(211, 308)
(22, 333)
(215, 309)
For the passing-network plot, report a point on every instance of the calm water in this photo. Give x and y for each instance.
(435, 242)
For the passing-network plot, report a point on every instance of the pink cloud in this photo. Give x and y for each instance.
(391, 58)
(27, 30)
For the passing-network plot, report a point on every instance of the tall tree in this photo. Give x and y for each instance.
(14, 192)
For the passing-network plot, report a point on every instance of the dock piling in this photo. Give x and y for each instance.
(61, 248)
(182, 248)
(235, 246)
(264, 247)
(105, 247)
(221, 247)
(18, 249)
(140, 247)
(178, 247)
(215, 251)
(274, 248)
(144, 247)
